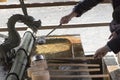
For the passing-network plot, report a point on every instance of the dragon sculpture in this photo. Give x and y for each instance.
(14, 39)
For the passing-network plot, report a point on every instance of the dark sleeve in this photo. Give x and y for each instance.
(115, 3)
(117, 31)
(85, 5)
(114, 44)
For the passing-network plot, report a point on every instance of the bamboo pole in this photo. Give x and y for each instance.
(80, 76)
(21, 59)
(85, 65)
(76, 58)
(69, 60)
(77, 70)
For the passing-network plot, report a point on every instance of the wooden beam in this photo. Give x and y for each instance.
(76, 25)
(62, 27)
(69, 64)
(32, 5)
(79, 76)
(77, 70)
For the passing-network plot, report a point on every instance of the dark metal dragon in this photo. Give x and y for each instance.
(14, 39)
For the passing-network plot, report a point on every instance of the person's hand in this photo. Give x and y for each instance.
(101, 52)
(113, 35)
(67, 18)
